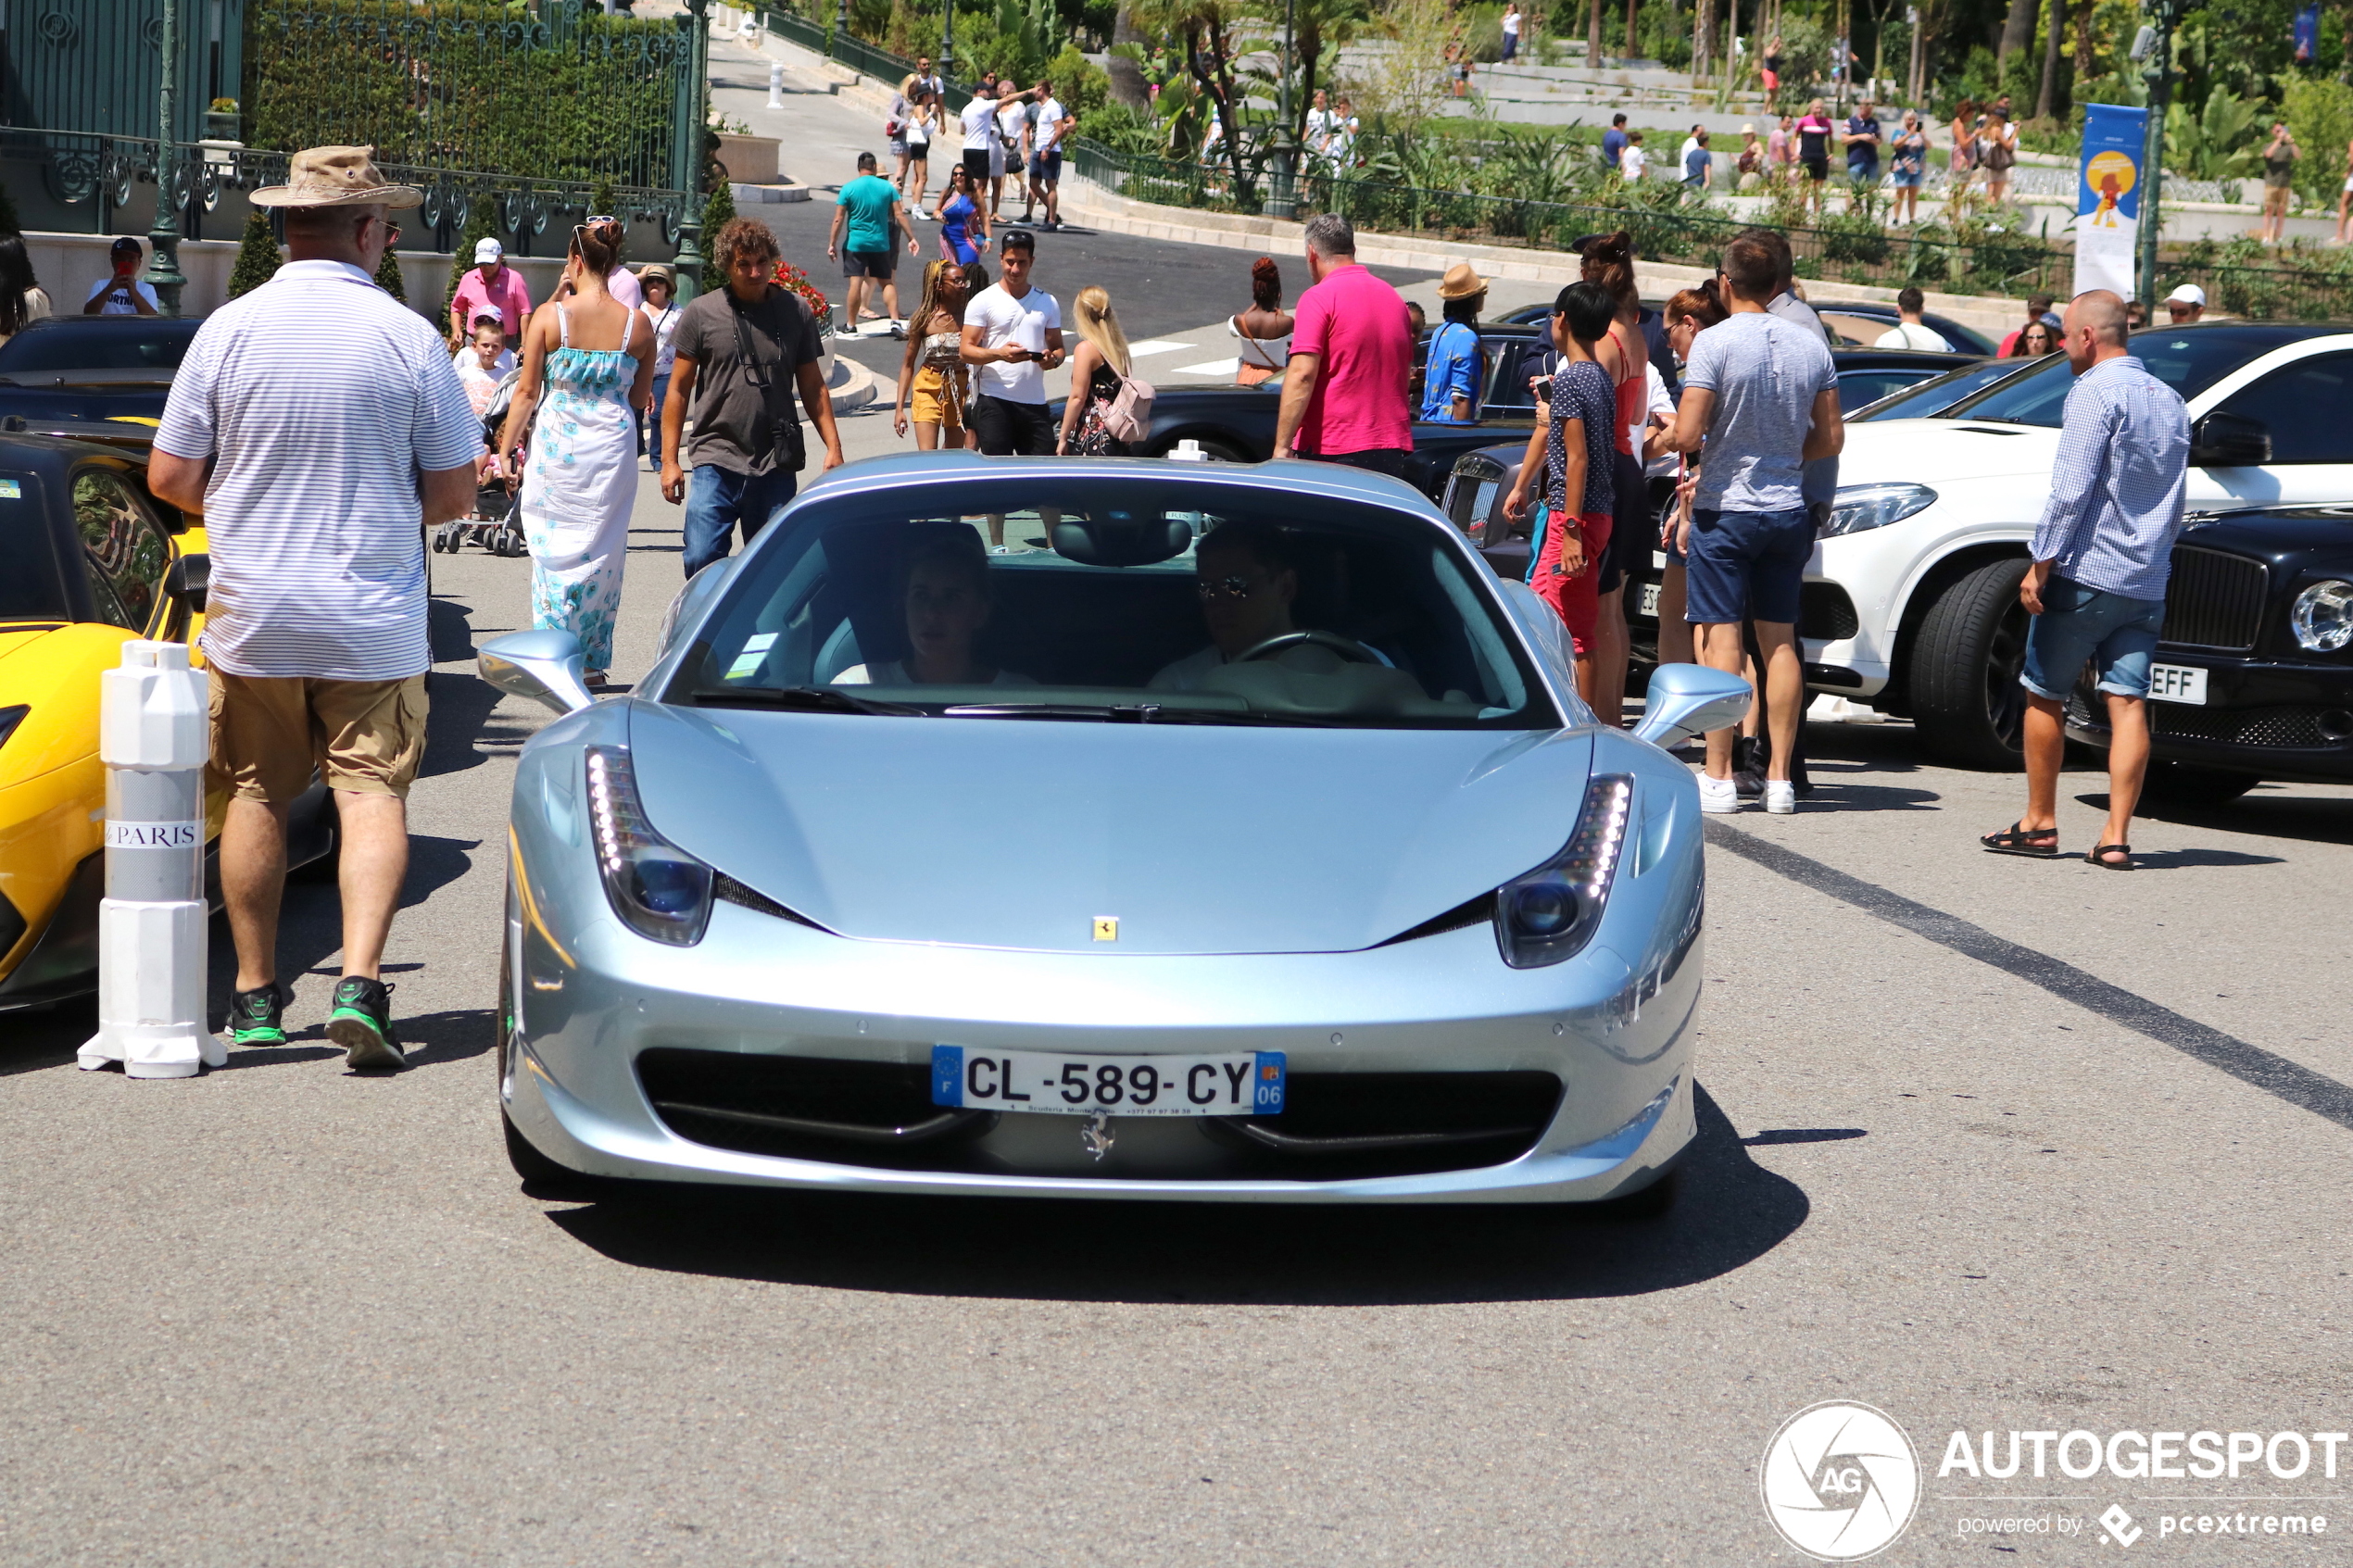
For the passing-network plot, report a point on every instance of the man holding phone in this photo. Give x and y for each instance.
(122, 293)
(1013, 333)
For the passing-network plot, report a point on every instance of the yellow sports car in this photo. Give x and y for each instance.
(92, 559)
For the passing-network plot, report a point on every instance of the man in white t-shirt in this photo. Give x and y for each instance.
(1051, 124)
(980, 140)
(1911, 332)
(121, 293)
(1013, 335)
(1013, 143)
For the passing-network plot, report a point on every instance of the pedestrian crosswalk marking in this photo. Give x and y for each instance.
(1155, 345)
(1210, 367)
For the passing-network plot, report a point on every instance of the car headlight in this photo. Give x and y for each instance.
(2323, 618)
(1859, 507)
(657, 888)
(1551, 912)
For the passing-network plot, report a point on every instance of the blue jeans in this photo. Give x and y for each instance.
(718, 499)
(2078, 624)
(650, 421)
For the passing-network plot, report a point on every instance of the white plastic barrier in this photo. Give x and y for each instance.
(153, 733)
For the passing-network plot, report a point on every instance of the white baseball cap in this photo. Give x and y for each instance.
(489, 250)
(2188, 294)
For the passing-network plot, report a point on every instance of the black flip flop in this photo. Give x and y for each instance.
(2094, 857)
(2017, 839)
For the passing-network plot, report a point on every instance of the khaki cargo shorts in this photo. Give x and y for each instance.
(267, 732)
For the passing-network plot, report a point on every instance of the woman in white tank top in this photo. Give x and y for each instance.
(1264, 331)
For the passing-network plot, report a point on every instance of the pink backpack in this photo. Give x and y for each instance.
(1128, 417)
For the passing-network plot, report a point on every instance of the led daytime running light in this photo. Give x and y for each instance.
(1551, 913)
(658, 890)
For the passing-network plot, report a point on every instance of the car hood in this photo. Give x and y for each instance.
(2322, 532)
(1195, 838)
(1934, 452)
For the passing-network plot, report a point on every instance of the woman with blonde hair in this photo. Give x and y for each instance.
(933, 374)
(1101, 364)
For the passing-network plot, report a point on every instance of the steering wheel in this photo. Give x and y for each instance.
(1348, 648)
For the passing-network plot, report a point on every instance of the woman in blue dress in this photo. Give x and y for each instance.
(588, 363)
(963, 227)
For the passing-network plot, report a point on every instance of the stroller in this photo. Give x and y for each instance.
(496, 522)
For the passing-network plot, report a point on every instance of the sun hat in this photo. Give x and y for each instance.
(2188, 294)
(1461, 282)
(337, 177)
(489, 250)
(658, 272)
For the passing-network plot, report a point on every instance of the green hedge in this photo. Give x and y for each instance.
(461, 85)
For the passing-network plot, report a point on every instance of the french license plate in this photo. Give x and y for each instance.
(2177, 682)
(1248, 1084)
(1650, 600)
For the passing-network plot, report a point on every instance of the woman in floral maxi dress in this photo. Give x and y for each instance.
(588, 363)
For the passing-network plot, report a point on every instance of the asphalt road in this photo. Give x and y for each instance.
(1988, 1144)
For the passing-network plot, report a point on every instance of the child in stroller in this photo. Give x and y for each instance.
(489, 375)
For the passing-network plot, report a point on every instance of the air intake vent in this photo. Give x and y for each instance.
(729, 890)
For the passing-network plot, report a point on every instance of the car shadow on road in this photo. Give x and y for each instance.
(2264, 812)
(1728, 1211)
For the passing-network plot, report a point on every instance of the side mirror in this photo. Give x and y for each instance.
(185, 583)
(2229, 440)
(544, 666)
(1689, 699)
(687, 604)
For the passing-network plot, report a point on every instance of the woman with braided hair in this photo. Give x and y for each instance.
(1264, 331)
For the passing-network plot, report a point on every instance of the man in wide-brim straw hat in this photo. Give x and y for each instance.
(319, 426)
(1456, 372)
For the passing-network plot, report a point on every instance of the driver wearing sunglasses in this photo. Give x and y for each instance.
(1247, 582)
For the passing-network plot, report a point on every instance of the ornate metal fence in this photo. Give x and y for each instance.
(94, 66)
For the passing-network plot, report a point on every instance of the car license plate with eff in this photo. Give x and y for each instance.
(1245, 1084)
(2177, 682)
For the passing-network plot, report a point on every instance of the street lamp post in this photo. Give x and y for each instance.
(2160, 77)
(697, 117)
(1282, 199)
(163, 240)
(947, 47)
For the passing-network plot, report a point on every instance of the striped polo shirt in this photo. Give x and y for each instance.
(322, 396)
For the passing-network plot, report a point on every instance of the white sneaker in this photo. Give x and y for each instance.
(1717, 796)
(1780, 796)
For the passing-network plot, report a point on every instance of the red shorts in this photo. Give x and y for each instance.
(1577, 598)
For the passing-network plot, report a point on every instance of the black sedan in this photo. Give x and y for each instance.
(2253, 678)
(1856, 325)
(1235, 424)
(93, 367)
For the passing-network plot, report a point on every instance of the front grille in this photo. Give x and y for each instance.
(1335, 1127)
(2214, 600)
(2286, 726)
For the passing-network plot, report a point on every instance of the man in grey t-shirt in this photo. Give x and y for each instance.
(1762, 396)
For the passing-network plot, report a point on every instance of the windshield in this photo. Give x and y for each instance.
(1937, 393)
(148, 344)
(1124, 600)
(2188, 361)
(31, 588)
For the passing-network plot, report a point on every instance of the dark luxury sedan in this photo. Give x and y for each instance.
(93, 367)
(2254, 675)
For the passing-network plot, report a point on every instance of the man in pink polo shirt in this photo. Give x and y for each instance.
(490, 286)
(1351, 354)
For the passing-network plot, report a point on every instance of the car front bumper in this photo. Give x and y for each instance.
(2275, 719)
(1613, 1026)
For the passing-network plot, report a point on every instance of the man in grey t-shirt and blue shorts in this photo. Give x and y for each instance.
(1761, 396)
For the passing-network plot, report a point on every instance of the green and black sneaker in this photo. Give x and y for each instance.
(361, 1024)
(258, 1017)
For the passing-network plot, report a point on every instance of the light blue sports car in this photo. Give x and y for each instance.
(1103, 828)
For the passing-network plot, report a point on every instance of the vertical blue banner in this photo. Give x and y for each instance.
(2107, 198)
(2308, 33)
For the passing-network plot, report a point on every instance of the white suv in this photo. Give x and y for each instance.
(1911, 600)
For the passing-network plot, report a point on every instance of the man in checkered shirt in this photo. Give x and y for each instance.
(2097, 589)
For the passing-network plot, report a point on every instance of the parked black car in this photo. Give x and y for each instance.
(1922, 399)
(1859, 325)
(2253, 673)
(93, 367)
(1235, 424)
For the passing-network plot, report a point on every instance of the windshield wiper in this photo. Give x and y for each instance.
(808, 699)
(1127, 713)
